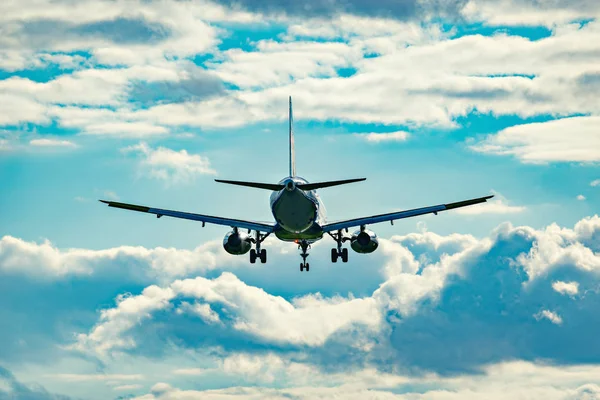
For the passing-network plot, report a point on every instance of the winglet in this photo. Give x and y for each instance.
(465, 203)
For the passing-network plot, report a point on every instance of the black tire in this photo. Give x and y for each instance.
(344, 255)
(334, 255)
(263, 256)
(307, 265)
(252, 256)
(301, 267)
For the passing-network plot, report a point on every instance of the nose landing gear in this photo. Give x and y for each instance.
(304, 246)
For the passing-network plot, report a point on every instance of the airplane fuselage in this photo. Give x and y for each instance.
(299, 213)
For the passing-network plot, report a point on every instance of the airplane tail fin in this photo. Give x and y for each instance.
(291, 139)
(303, 186)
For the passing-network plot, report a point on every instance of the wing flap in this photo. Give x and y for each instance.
(209, 219)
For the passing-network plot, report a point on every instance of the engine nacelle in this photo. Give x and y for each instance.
(236, 242)
(364, 241)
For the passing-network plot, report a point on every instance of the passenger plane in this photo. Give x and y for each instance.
(299, 217)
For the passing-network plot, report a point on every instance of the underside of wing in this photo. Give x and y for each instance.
(334, 226)
(235, 223)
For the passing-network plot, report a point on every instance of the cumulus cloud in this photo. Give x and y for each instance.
(499, 74)
(595, 183)
(169, 165)
(489, 286)
(498, 205)
(550, 316)
(51, 143)
(308, 321)
(580, 197)
(46, 261)
(498, 381)
(398, 136)
(529, 13)
(97, 377)
(544, 142)
(570, 288)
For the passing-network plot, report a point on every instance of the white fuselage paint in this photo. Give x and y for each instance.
(299, 214)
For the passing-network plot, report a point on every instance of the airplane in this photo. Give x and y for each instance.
(299, 217)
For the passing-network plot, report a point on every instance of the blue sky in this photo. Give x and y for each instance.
(148, 102)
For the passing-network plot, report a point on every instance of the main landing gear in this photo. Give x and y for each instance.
(258, 252)
(304, 246)
(339, 252)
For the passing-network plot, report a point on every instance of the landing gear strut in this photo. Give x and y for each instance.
(339, 252)
(304, 246)
(258, 253)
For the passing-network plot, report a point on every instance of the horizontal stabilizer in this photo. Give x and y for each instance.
(268, 186)
(320, 185)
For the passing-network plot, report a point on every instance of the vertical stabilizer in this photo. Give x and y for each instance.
(292, 151)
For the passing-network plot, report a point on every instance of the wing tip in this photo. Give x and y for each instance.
(104, 201)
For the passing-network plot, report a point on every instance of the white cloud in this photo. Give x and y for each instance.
(45, 261)
(97, 377)
(404, 85)
(202, 310)
(275, 63)
(555, 246)
(190, 371)
(169, 165)
(544, 142)
(51, 143)
(130, 310)
(519, 13)
(570, 288)
(580, 197)
(309, 321)
(398, 136)
(516, 379)
(550, 316)
(595, 183)
(416, 269)
(128, 387)
(497, 205)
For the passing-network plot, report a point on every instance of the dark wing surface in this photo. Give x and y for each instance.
(159, 212)
(334, 226)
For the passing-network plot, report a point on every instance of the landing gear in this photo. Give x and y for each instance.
(262, 256)
(339, 252)
(304, 246)
(258, 253)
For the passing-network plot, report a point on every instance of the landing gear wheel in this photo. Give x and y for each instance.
(252, 256)
(304, 266)
(263, 256)
(334, 255)
(344, 255)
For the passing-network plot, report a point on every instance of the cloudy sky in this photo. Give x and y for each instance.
(432, 101)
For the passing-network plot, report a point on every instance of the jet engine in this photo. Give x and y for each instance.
(364, 241)
(236, 242)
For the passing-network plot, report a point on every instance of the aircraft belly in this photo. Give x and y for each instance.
(294, 212)
(312, 234)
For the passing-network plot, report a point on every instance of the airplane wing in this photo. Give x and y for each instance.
(234, 223)
(334, 226)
